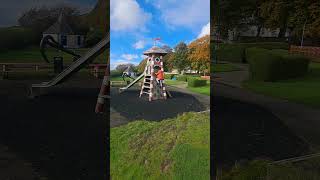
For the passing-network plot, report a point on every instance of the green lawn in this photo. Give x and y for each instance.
(176, 148)
(304, 90)
(33, 55)
(223, 68)
(201, 90)
(261, 169)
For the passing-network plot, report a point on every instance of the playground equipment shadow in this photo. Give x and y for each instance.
(58, 133)
(129, 105)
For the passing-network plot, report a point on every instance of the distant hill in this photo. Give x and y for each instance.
(99, 16)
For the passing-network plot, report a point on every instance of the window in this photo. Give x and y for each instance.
(79, 41)
(64, 40)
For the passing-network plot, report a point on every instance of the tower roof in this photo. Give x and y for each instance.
(155, 50)
(59, 27)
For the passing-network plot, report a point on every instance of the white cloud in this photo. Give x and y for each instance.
(129, 57)
(126, 15)
(205, 30)
(189, 13)
(139, 44)
(143, 56)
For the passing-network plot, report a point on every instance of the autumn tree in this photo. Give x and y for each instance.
(199, 54)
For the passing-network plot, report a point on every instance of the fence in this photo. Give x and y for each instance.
(309, 51)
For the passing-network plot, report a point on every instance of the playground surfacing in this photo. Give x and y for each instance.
(130, 106)
(58, 134)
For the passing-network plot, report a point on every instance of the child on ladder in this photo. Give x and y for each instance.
(159, 76)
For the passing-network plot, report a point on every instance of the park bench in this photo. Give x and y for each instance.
(21, 68)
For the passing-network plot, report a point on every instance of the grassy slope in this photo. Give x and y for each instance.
(303, 90)
(171, 149)
(200, 90)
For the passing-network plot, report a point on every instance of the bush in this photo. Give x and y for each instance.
(16, 38)
(182, 78)
(236, 52)
(273, 65)
(115, 73)
(168, 76)
(196, 82)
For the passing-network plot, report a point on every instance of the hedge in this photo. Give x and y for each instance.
(182, 78)
(115, 73)
(168, 76)
(236, 52)
(273, 65)
(196, 82)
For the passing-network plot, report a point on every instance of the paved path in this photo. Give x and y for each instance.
(233, 78)
(301, 119)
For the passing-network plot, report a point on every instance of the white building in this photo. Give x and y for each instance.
(63, 34)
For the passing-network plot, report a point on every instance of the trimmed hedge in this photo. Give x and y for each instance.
(182, 78)
(196, 82)
(273, 65)
(236, 52)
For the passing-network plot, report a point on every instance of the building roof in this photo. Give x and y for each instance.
(155, 50)
(59, 27)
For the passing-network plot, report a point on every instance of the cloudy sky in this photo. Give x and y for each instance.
(134, 23)
(11, 10)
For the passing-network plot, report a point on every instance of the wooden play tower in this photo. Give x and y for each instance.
(150, 86)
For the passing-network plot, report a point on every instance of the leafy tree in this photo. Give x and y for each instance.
(180, 57)
(199, 54)
(123, 67)
(142, 65)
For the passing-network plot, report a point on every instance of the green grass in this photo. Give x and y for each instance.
(261, 169)
(224, 68)
(201, 90)
(177, 148)
(302, 90)
(33, 55)
(174, 82)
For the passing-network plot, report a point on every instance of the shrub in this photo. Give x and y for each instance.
(168, 76)
(236, 52)
(182, 78)
(115, 73)
(273, 65)
(16, 38)
(196, 82)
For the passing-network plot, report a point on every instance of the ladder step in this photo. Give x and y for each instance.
(146, 87)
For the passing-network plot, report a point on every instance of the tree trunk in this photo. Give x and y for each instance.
(259, 30)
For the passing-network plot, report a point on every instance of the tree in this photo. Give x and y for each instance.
(168, 61)
(142, 65)
(180, 57)
(123, 67)
(199, 54)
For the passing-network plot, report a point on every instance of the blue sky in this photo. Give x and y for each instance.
(134, 23)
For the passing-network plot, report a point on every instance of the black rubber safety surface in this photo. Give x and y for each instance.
(58, 133)
(129, 105)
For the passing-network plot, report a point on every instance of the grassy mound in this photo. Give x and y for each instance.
(176, 148)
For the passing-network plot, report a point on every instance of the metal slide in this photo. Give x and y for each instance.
(77, 65)
(132, 83)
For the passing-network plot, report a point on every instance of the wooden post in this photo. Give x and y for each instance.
(104, 92)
